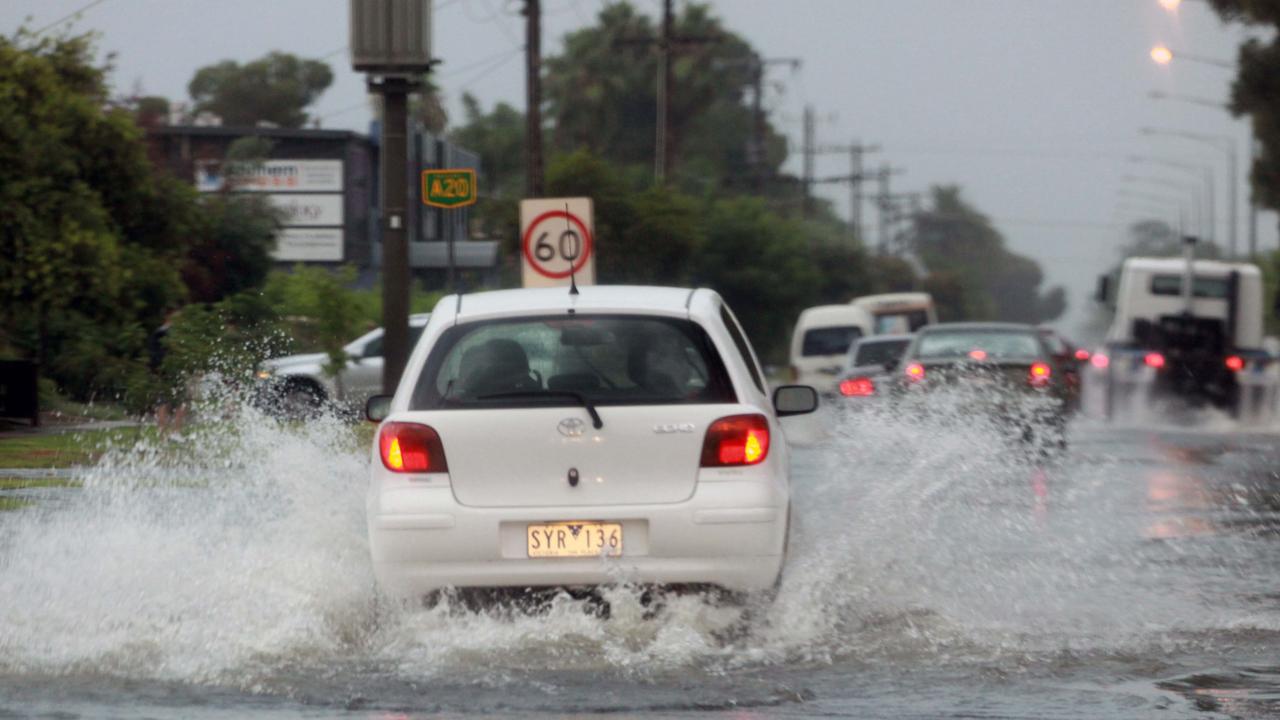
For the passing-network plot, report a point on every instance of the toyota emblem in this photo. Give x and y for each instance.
(571, 427)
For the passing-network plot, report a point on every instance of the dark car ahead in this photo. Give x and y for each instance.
(1004, 364)
(871, 364)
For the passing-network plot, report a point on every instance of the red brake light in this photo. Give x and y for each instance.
(736, 440)
(411, 448)
(1235, 363)
(1083, 355)
(858, 387)
(978, 355)
(914, 372)
(1040, 374)
(1100, 361)
(1154, 360)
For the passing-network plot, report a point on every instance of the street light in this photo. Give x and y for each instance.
(1203, 172)
(1163, 55)
(1198, 215)
(1170, 5)
(1228, 145)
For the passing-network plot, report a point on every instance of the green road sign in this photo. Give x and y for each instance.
(449, 188)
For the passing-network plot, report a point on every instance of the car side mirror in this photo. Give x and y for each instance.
(795, 400)
(377, 408)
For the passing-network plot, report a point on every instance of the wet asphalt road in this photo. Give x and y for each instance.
(936, 573)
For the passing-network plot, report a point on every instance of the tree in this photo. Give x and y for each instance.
(1256, 91)
(498, 137)
(601, 96)
(275, 89)
(90, 237)
(954, 239)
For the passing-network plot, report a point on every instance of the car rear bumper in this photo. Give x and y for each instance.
(730, 533)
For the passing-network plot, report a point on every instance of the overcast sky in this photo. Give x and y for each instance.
(1033, 106)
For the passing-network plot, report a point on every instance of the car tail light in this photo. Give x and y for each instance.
(1154, 360)
(858, 387)
(914, 372)
(1083, 355)
(411, 448)
(1040, 374)
(1100, 361)
(978, 355)
(736, 440)
(1235, 363)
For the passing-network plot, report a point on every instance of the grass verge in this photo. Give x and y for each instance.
(70, 449)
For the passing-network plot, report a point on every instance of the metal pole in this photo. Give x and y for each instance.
(1233, 209)
(451, 277)
(809, 151)
(533, 99)
(855, 191)
(1253, 195)
(883, 204)
(395, 246)
(1210, 192)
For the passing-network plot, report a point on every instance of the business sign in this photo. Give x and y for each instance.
(270, 176)
(308, 210)
(557, 241)
(309, 245)
(449, 188)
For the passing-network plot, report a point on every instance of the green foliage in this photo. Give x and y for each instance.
(90, 237)
(498, 137)
(275, 89)
(956, 239)
(231, 249)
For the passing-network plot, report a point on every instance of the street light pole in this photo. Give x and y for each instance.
(1203, 172)
(1227, 144)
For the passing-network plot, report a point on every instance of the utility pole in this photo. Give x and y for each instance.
(533, 98)
(883, 199)
(1253, 195)
(662, 148)
(395, 244)
(809, 151)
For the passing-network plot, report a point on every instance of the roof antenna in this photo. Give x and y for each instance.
(573, 281)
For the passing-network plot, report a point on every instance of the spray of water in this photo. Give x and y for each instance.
(237, 554)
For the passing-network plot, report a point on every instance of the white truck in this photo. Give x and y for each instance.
(1190, 329)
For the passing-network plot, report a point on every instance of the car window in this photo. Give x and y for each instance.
(1204, 287)
(606, 359)
(744, 348)
(834, 340)
(901, 322)
(879, 353)
(373, 348)
(994, 343)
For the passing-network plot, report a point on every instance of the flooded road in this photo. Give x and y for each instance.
(934, 572)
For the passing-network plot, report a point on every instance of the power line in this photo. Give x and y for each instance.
(61, 20)
(479, 63)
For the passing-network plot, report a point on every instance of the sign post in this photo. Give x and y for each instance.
(557, 240)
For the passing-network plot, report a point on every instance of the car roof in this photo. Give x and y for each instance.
(1213, 268)
(873, 339)
(832, 315)
(590, 299)
(991, 326)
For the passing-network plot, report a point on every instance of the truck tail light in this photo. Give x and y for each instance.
(736, 440)
(1154, 360)
(1100, 361)
(858, 387)
(411, 448)
(1235, 363)
(1040, 374)
(1082, 355)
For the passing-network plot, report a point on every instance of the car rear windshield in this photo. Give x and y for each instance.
(834, 340)
(883, 352)
(605, 360)
(994, 344)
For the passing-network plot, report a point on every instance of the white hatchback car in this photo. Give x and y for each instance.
(542, 439)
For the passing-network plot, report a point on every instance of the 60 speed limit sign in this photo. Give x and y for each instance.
(557, 240)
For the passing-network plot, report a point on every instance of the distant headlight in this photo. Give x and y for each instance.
(263, 374)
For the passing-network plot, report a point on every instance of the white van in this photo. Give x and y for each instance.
(898, 313)
(821, 341)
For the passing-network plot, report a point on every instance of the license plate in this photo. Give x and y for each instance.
(574, 539)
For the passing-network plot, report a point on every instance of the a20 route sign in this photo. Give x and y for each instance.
(449, 188)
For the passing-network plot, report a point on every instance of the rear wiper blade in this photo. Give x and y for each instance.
(596, 422)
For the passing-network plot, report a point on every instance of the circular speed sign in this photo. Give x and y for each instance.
(557, 244)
